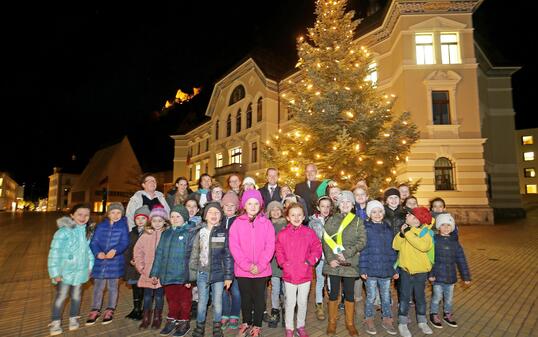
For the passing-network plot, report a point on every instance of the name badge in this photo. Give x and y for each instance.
(218, 239)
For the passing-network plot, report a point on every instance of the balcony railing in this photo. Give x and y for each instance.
(232, 168)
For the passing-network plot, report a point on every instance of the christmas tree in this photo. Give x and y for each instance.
(341, 121)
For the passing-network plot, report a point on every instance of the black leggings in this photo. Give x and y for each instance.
(252, 292)
(349, 285)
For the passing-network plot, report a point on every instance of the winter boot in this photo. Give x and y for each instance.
(157, 319)
(333, 317)
(350, 318)
(138, 297)
(199, 331)
(274, 318)
(146, 320)
(320, 313)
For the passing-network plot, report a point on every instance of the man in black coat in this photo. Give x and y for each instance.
(271, 191)
(307, 189)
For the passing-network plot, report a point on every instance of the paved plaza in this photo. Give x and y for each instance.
(501, 301)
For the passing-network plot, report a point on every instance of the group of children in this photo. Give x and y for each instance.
(237, 244)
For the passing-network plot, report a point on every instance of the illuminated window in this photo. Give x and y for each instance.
(219, 160)
(254, 153)
(0, 192)
(530, 189)
(197, 169)
(237, 95)
(450, 51)
(1, 181)
(528, 156)
(424, 48)
(440, 107)
(236, 155)
(372, 73)
(529, 172)
(444, 177)
(238, 121)
(526, 140)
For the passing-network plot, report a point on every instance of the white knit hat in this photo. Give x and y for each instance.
(249, 180)
(374, 204)
(445, 218)
(345, 195)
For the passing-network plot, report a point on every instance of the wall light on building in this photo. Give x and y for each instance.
(531, 189)
(528, 156)
(527, 140)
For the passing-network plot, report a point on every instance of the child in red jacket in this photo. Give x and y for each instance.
(298, 249)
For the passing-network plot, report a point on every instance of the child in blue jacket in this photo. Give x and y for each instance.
(109, 242)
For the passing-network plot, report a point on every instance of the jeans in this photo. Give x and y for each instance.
(99, 288)
(296, 294)
(320, 282)
(409, 284)
(445, 292)
(203, 297)
(358, 289)
(373, 285)
(62, 290)
(149, 294)
(231, 301)
(276, 288)
(179, 299)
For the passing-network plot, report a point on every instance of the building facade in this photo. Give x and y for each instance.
(60, 185)
(425, 55)
(527, 150)
(10, 193)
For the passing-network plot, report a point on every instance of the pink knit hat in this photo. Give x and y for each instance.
(249, 195)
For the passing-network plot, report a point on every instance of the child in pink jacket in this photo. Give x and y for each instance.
(298, 249)
(252, 244)
(144, 254)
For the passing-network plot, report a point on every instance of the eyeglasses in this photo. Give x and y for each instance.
(150, 181)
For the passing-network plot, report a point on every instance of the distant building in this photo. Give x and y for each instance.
(425, 54)
(60, 184)
(10, 192)
(111, 175)
(527, 159)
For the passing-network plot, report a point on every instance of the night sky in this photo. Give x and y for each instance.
(74, 81)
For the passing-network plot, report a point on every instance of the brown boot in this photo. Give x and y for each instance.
(350, 318)
(320, 313)
(333, 317)
(146, 320)
(157, 319)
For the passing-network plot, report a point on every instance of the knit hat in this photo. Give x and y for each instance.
(116, 205)
(291, 197)
(345, 195)
(249, 180)
(445, 218)
(142, 211)
(230, 198)
(422, 214)
(374, 204)
(249, 195)
(158, 211)
(212, 204)
(182, 210)
(391, 191)
(320, 191)
(272, 205)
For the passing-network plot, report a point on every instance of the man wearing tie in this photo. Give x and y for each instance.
(307, 189)
(271, 191)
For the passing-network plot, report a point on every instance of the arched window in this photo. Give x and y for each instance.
(217, 130)
(229, 126)
(260, 109)
(237, 94)
(238, 121)
(444, 174)
(249, 116)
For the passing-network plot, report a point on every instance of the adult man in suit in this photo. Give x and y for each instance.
(307, 189)
(271, 191)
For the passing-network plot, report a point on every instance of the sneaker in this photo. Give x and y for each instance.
(182, 328)
(108, 316)
(425, 328)
(243, 330)
(436, 321)
(169, 327)
(233, 323)
(255, 331)
(55, 328)
(404, 330)
(92, 317)
(289, 333)
(448, 320)
(73, 323)
(388, 326)
(302, 332)
(370, 326)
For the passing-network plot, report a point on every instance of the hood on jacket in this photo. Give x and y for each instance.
(66, 221)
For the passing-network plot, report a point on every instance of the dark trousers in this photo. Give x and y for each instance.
(252, 292)
(349, 285)
(179, 300)
(412, 284)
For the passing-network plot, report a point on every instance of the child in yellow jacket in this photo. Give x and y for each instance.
(414, 244)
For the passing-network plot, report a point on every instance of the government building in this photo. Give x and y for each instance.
(425, 55)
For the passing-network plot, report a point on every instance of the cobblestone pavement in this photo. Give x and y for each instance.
(501, 301)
